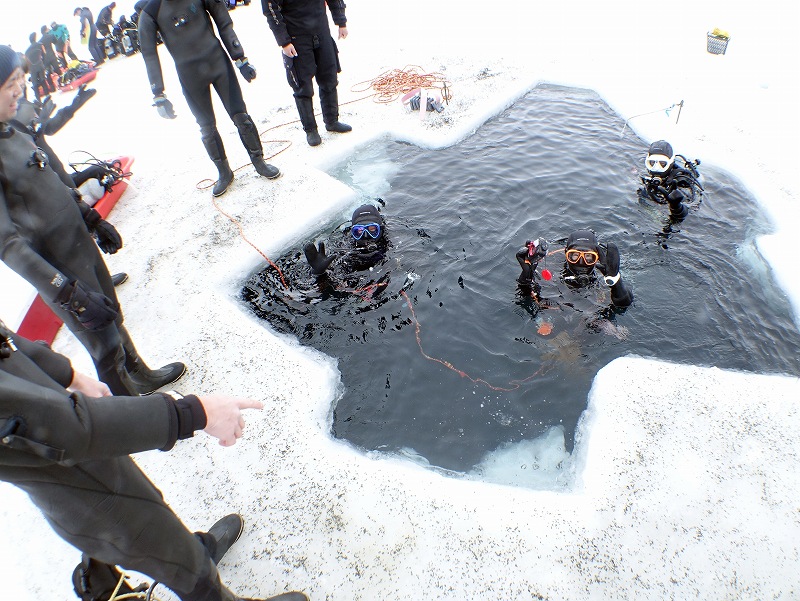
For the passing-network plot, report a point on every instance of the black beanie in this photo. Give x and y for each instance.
(366, 214)
(9, 60)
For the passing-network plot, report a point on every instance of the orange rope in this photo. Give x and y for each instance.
(417, 326)
(389, 85)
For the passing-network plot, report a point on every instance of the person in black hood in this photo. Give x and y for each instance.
(302, 31)
(42, 85)
(671, 178)
(89, 33)
(50, 46)
(105, 19)
(46, 240)
(66, 443)
(584, 256)
(368, 244)
(187, 31)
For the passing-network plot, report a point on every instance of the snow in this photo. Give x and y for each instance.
(686, 477)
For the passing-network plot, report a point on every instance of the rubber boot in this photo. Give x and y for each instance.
(221, 536)
(305, 108)
(144, 379)
(216, 151)
(329, 102)
(119, 278)
(111, 370)
(252, 142)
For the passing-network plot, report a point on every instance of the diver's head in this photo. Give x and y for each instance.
(582, 252)
(366, 225)
(660, 158)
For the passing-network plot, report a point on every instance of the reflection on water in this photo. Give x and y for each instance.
(440, 356)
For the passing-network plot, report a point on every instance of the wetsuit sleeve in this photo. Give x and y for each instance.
(148, 31)
(57, 121)
(54, 426)
(219, 12)
(18, 254)
(337, 12)
(56, 366)
(272, 11)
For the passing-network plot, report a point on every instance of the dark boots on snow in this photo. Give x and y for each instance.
(305, 108)
(119, 278)
(221, 536)
(216, 152)
(252, 142)
(147, 380)
(96, 581)
(329, 103)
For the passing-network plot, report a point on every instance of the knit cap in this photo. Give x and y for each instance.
(9, 60)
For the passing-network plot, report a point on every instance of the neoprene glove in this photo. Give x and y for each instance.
(164, 107)
(93, 310)
(82, 96)
(528, 266)
(107, 236)
(317, 258)
(246, 69)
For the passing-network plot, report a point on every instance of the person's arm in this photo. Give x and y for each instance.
(148, 32)
(54, 123)
(222, 18)
(56, 366)
(272, 10)
(621, 296)
(20, 256)
(337, 12)
(528, 258)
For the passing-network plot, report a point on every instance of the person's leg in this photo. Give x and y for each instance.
(145, 379)
(327, 57)
(198, 97)
(300, 72)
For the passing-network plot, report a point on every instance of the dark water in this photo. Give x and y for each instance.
(552, 163)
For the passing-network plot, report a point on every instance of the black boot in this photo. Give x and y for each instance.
(111, 369)
(221, 536)
(252, 142)
(329, 102)
(216, 151)
(305, 108)
(93, 580)
(119, 278)
(144, 379)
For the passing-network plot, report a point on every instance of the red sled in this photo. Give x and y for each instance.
(40, 323)
(78, 81)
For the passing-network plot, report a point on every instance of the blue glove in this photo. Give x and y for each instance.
(246, 69)
(164, 107)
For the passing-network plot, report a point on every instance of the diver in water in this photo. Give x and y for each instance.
(584, 256)
(202, 62)
(368, 244)
(670, 181)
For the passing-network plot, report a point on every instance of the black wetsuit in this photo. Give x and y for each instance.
(44, 239)
(104, 20)
(95, 46)
(69, 453)
(201, 61)
(48, 42)
(36, 68)
(61, 33)
(304, 24)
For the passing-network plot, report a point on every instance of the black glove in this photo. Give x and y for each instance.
(164, 107)
(676, 207)
(246, 69)
(82, 96)
(528, 266)
(108, 239)
(94, 310)
(608, 261)
(317, 258)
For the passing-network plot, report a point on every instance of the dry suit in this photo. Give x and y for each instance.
(201, 61)
(304, 24)
(69, 453)
(88, 28)
(44, 239)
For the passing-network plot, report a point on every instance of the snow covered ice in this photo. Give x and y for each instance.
(686, 478)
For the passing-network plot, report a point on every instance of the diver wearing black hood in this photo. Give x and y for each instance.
(582, 255)
(368, 244)
(669, 181)
(187, 30)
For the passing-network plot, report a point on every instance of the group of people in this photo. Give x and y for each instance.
(203, 61)
(66, 437)
(48, 56)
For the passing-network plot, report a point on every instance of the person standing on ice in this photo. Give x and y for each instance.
(44, 238)
(66, 443)
(302, 31)
(89, 33)
(187, 30)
